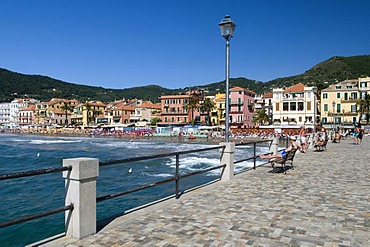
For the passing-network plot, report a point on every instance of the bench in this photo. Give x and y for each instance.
(322, 146)
(284, 161)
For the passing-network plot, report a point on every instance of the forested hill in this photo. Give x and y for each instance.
(44, 88)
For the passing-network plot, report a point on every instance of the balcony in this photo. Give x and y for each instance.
(236, 124)
(350, 100)
(341, 114)
(236, 103)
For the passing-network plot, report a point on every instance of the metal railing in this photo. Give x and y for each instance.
(37, 215)
(177, 177)
(254, 157)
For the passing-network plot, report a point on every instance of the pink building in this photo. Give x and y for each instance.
(174, 109)
(241, 107)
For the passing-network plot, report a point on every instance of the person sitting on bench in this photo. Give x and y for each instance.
(337, 137)
(293, 145)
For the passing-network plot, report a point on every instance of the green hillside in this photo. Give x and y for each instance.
(44, 88)
(332, 70)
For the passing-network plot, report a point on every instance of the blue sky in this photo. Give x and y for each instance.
(175, 44)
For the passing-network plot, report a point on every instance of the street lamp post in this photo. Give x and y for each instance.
(333, 104)
(227, 27)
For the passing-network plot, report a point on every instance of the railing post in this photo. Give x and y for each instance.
(274, 145)
(254, 155)
(177, 175)
(80, 185)
(227, 157)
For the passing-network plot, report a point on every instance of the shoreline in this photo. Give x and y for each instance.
(130, 136)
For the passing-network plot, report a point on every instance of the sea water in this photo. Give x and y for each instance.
(30, 195)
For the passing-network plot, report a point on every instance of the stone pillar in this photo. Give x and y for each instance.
(274, 145)
(227, 157)
(80, 185)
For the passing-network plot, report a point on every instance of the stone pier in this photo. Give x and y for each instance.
(324, 201)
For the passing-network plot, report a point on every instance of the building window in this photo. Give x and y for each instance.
(293, 106)
(308, 106)
(277, 107)
(324, 120)
(345, 96)
(324, 95)
(353, 95)
(338, 95)
(338, 108)
(338, 87)
(300, 119)
(349, 87)
(353, 108)
(285, 106)
(325, 107)
(300, 106)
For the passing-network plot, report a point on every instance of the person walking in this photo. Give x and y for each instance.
(302, 136)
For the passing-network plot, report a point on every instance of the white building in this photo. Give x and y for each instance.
(9, 112)
(296, 105)
(264, 101)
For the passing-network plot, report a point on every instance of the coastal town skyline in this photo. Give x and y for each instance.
(176, 44)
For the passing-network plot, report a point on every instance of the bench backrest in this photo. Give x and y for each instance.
(290, 154)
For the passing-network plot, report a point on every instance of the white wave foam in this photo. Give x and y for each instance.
(193, 163)
(162, 175)
(38, 142)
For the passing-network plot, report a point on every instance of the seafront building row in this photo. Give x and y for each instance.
(338, 104)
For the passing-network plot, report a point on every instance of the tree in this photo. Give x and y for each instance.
(88, 108)
(192, 106)
(66, 108)
(261, 116)
(207, 106)
(363, 106)
(155, 121)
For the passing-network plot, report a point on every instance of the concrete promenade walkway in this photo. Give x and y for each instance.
(324, 201)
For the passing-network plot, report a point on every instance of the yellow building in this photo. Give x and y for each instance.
(339, 102)
(52, 112)
(218, 113)
(88, 113)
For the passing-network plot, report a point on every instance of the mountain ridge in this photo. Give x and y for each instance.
(14, 84)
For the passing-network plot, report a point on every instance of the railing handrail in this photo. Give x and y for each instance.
(35, 216)
(111, 196)
(113, 162)
(35, 172)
